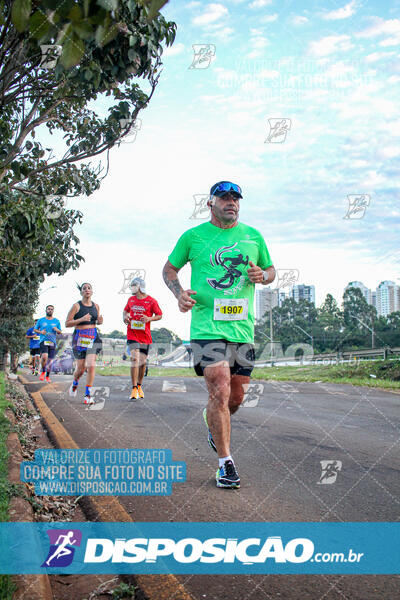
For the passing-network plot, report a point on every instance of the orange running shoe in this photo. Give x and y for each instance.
(134, 393)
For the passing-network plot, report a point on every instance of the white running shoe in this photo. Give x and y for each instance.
(88, 400)
(73, 390)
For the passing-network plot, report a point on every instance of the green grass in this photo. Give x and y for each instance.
(5, 428)
(7, 587)
(387, 373)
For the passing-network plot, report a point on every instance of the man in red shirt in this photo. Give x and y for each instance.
(139, 311)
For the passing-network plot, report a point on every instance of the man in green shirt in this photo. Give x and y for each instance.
(227, 259)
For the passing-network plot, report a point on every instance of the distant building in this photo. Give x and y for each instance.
(387, 298)
(366, 292)
(373, 298)
(303, 292)
(282, 296)
(265, 299)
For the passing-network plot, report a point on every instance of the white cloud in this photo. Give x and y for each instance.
(299, 20)
(364, 103)
(213, 12)
(174, 50)
(389, 151)
(221, 33)
(329, 45)
(260, 3)
(391, 41)
(341, 13)
(268, 74)
(257, 44)
(381, 27)
(338, 69)
(375, 56)
(269, 18)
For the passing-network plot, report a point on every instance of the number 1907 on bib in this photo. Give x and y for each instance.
(231, 310)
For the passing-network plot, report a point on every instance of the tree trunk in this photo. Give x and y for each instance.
(13, 362)
(3, 359)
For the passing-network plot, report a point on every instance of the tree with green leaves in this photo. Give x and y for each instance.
(355, 305)
(359, 318)
(333, 330)
(163, 335)
(388, 329)
(32, 246)
(330, 324)
(68, 72)
(329, 313)
(103, 51)
(287, 319)
(120, 335)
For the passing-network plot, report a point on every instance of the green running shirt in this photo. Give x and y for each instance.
(219, 260)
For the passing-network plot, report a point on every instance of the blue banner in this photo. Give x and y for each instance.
(200, 548)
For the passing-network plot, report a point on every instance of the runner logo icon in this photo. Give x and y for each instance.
(330, 470)
(61, 551)
(230, 264)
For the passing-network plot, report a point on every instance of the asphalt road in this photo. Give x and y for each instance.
(278, 442)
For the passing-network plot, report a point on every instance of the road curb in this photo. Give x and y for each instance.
(20, 510)
(108, 508)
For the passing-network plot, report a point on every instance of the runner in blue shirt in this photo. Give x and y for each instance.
(47, 327)
(34, 349)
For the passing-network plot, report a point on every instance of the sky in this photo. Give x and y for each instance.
(297, 103)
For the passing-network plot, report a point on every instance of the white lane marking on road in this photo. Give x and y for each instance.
(173, 386)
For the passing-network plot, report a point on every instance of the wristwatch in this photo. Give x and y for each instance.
(265, 275)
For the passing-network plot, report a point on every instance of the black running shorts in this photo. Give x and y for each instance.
(134, 345)
(241, 357)
(49, 349)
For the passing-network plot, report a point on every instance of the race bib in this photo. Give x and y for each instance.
(85, 342)
(48, 343)
(36, 337)
(231, 309)
(137, 324)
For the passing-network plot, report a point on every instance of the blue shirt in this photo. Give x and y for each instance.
(48, 325)
(32, 342)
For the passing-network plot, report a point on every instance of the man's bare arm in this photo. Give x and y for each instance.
(170, 276)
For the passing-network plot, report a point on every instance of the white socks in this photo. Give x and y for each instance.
(224, 459)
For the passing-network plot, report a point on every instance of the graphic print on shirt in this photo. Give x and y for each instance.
(229, 259)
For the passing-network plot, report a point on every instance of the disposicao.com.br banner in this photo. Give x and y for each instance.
(200, 548)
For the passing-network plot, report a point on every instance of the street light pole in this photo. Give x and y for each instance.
(367, 326)
(271, 330)
(310, 336)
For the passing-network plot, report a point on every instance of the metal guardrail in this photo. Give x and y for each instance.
(354, 354)
(382, 353)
